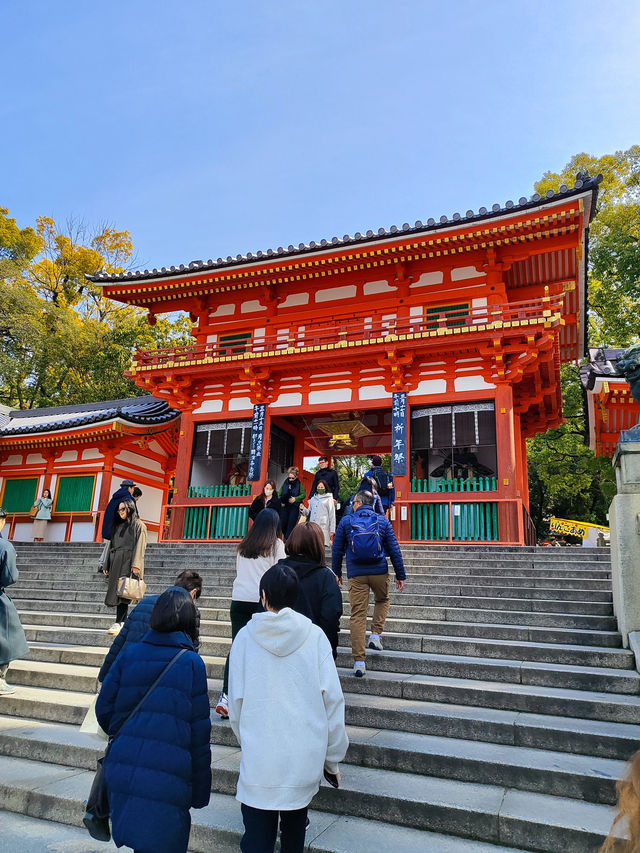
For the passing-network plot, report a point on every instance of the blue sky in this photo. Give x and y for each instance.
(210, 128)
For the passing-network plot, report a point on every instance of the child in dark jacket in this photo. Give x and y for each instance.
(159, 765)
(319, 596)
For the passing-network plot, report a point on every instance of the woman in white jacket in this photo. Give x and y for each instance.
(322, 511)
(287, 710)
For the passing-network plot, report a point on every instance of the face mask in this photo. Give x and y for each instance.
(322, 491)
(268, 490)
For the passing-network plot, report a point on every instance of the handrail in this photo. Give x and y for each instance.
(359, 328)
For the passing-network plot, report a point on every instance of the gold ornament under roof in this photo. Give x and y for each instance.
(344, 429)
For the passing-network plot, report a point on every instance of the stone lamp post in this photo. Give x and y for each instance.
(624, 518)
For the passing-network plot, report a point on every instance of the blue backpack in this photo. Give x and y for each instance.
(366, 540)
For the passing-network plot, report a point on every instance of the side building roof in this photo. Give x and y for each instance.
(137, 411)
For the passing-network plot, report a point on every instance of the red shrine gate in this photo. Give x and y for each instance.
(440, 344)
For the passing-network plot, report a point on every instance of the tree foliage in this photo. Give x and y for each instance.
(565, 478)
(614, 239)
(62, 341)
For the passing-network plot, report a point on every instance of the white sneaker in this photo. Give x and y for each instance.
(115, 628)
(222, 708)
(359, 669)
(375, 642)
(6, 689)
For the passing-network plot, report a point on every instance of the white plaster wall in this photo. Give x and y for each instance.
(430, 386)
(35, 459)
(471, 383)
(251, 307)
(332, 293)
(81, 531)
(209, 406)
(372, 287)
(333, 395)
(428, 278)
(140, 461)
(16, 459)
(237, 404)
(96, 491)
(91, 453)
(287, 400)
(373, 392)
(150, 504)
(223, 311)
(294, 299)
(461, 273)
(23, 533)
(68, 456)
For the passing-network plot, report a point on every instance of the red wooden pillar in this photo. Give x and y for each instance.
(107, 473)
(509, 515)
(183, 471)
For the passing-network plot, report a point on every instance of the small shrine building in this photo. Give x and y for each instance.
(611, 407)
(81, 453)
(439, 343)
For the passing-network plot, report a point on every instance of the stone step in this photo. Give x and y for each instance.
(412, 591)
(103, 617)
(218, 827)
(559, 774)
(596, 738)
(534, 699)
(573, 655)
(81, 676)
(474, 631)
(488, 813)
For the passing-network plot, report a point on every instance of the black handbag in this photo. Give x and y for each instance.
(96, 817)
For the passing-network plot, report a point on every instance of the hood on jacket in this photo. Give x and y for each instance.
(324, 495)
(302, 566)
(281, 633)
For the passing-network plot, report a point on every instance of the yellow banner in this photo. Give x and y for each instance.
(572, 528)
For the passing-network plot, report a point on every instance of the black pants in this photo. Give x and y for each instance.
(289, 518)
(121, 610)
(261, 830)
(241, 613)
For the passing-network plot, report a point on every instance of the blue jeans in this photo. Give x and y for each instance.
(261, 830)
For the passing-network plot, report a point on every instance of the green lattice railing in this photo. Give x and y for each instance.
(455, 484)
(216, 522)
(464, 522)
(219, 491)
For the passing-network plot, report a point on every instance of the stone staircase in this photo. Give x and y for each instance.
(497, 719)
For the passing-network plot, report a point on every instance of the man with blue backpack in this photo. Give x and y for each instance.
(367, 539)
(383, 482)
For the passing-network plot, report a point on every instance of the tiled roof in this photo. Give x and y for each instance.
(142, 411)
(602, 364)
(583, 183)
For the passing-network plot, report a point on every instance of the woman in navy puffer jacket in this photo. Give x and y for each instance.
(159, 766)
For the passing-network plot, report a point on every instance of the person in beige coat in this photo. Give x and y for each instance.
(126, 556)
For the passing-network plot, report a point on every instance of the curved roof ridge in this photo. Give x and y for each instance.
(584, 182)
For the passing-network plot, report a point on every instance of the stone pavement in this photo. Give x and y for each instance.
(496, 720)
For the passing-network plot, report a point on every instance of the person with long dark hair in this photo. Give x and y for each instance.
(267, 499)
(159, 764)
(126, 557)
(319, 596)
(261, 547)
(43, 515)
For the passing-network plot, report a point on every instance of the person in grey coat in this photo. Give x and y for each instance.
(126, 556)
(13, 643)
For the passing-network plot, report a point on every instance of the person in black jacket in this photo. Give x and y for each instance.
(137, 623)
(267, 499)
(319, 596)
(328, 476)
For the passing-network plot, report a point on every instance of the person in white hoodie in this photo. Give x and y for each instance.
(286, 709)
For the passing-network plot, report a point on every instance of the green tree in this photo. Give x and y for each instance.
(62, 340)
(565, 478)
(614, 240)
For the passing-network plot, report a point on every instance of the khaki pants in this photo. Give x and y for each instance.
(359, 600)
